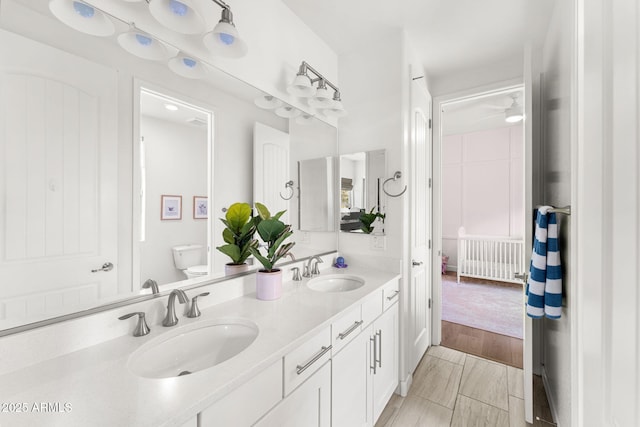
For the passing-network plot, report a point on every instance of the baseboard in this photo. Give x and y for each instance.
(550, 397)
(404, 386)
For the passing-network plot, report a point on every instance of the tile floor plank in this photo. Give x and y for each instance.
(485, 381)
(437, 380)
(472, 413)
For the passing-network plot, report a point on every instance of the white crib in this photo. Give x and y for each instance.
(490, 257)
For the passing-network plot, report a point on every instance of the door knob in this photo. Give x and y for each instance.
(416, 263)
(107, 266)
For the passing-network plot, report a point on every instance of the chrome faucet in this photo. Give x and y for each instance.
(312, 269)
(171, 319)
(290, 254)
(150, 283)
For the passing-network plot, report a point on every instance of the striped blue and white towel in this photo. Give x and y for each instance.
(544, 286)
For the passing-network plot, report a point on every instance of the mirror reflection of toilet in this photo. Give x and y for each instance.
(188, 259)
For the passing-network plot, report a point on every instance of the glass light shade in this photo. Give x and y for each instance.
(287, 112)
(267, 102)
(336, 110)
(82, 17)
(143, 45)
(225, 41)
(188, 67)
(322, 99)
(301, 87)
(180, 16)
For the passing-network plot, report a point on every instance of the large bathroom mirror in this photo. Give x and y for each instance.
(362, 201)
(95, 198)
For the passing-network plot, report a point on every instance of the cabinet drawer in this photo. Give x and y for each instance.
(346, 328)
(264, 391)
(300, 363)
(371, 308)
(390, 294)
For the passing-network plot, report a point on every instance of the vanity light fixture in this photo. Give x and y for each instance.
(267, 102)
(143, 45)
(321, 97)
(171, 107)
(304, 119)
(187, 66)
(224, 40)
(180, 16)
(82, 17)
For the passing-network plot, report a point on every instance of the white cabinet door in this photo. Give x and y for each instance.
(309, 405)
(350, 374)
(385, 358)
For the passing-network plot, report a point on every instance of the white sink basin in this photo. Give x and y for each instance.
(192, 348)
(335, 283)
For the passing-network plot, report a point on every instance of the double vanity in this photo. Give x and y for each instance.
(324, 354)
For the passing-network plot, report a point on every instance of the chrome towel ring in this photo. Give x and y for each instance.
(397, 175)
(289, 185)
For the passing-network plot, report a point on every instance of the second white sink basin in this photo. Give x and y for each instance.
(193, 348)
(335, 283)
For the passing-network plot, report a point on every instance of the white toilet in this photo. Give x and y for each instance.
(188, 258)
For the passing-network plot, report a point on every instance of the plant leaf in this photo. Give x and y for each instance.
(237, 216)
(270, 229)
(267, 264)
(228, 236)
(279, 214)
(232, 251)
(263, 211)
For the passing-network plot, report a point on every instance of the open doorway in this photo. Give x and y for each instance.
(483, 223)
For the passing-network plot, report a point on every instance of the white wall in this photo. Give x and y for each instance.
(556, 93)
(482, 185)
(176, 164)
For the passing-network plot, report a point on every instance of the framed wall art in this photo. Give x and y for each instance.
(200, 207)
(171, 207)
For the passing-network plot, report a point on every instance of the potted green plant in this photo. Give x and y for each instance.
(238, 236)
(273, 232)
(367, 220)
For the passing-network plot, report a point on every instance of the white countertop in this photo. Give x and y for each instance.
(99, 390)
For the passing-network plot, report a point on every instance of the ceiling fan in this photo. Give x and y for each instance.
(513, 113)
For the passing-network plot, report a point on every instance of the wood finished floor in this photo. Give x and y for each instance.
(452, 388)
(492, 346)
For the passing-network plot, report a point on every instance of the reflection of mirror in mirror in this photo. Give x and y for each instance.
(174, 147)
(67, 110)
(317, 194)
(361, 178)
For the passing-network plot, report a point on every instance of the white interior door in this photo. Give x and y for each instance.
(58, 188)
(420, 200)
(271, 170)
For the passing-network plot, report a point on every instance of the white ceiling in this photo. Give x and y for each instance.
(449, 36)
(154, 106)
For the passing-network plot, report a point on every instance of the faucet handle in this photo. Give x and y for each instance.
(296, 274)
(194, 311)
(316, 270)
(142, 328)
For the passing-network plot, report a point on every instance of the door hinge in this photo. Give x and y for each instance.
(429, 182)
(429, 243)
(429, 123)
(429, 302)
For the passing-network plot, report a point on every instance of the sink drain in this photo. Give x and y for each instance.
(184, 373)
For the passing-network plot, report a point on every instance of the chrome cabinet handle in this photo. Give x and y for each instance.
(343, 335)
(379, 335)
(300, 369)
(107, 266)
(395, 294)
(372, 340)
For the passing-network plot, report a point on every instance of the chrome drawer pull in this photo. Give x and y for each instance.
(395, 294)
(372, 353)
(352, 328)
(379, 360)
(314, 359)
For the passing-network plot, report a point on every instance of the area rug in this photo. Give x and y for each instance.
(493, 308)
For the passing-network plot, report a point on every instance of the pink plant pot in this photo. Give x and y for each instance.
(268, 285)
(231, 269)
